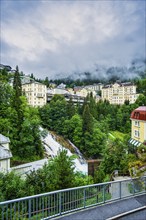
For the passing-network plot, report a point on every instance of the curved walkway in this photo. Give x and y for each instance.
(140, 215)
(105, 211)
(115, 188)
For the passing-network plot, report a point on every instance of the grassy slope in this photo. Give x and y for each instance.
(116, 134)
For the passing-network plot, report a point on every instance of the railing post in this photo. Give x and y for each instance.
(60, 203)
(120, 190)
(84, 198)
(29, 208)
(145, 183)
(133, 187)
(97, 195)
(104, 193)
(3, 212)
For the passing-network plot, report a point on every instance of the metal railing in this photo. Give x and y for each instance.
(49, 205)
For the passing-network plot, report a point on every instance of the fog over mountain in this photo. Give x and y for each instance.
(136, 68)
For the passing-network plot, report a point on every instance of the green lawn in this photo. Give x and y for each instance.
(116, 134)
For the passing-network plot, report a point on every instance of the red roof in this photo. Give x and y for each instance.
(139, 113)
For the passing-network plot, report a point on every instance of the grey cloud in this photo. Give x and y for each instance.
(70, 37)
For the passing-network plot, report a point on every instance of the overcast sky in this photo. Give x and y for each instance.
(49, 37)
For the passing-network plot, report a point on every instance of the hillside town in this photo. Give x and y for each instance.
(72, 110)
(38, 94)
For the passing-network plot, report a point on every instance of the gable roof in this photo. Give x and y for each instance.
(4, 153)
(4, 140)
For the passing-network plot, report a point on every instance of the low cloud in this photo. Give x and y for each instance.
(53, 37)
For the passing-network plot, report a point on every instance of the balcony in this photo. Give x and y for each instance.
(39, 95)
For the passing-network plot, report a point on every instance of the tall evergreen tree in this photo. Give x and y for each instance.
(70, 108)
(17, 82)
(17, 94)
(63, 167)
(87, 120)
(46, 81)
(57, 174)
(92, 105)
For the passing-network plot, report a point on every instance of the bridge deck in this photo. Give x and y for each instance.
(140, 215)
(109, 210)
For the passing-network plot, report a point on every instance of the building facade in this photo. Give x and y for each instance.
(76, 99)
(36, 93)
(94, 87)
(118, 93)
(5, 154)
(84, 91)
(138, 126)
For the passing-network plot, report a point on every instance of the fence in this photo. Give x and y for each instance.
(49, 205)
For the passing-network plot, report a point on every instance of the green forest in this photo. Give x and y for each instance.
(100, 131)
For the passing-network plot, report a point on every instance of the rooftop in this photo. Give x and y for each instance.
(141, 108)
(139, 113)
(33, 82)
(3, 139)
(125, 84)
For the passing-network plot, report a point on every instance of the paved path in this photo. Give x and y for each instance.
(115, 187)
(140, 215)
(103, 212)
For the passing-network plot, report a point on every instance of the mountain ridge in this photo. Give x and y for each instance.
(137, 68)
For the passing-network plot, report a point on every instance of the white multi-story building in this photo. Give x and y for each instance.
(118, 93)
(83, 91)
(36, 93)
(5, 153)
(67, 95)
(61, 86)
(94, 87)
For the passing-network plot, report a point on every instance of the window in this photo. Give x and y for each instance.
(136, 115)
(136, 123)
(136, 133)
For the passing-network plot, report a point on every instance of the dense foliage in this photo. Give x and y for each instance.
(18, 121)
(82, 129)
(59, 173)
(88, 126)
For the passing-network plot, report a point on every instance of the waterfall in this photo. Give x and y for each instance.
(52, 147)
(77, 151)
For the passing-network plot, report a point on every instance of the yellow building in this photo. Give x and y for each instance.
(36, 93)
(138, 128)
(118, 93)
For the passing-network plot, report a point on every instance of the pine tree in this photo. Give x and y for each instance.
(70, 108)
(17, 82)
(16, 98)
(87, 120)
(63, 170)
